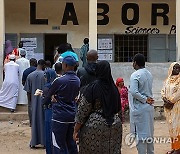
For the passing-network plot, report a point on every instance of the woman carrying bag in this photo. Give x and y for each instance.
(171, 97)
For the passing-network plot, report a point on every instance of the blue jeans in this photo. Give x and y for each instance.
(48, 130)
(62, 136)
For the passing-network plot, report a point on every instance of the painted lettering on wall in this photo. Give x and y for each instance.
(159, 10)
(140, 30)
(105, 9)
(173, 29)
(33, 19)
(124, 15)
(69, 15)
(163, 13)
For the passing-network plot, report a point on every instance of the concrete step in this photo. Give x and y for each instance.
(16, 116)
(19, 108)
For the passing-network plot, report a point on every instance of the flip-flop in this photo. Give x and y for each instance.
(170, 152)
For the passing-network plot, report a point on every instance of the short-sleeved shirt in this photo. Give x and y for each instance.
(68, 53)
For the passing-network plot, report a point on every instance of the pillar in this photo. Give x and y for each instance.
(2, 38)
(93, 24)
(177, 30)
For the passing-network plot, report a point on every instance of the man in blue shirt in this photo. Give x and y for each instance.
(50, 74)
(50, 77)
(32, 68)
(65, 89)
(141, 106)
(65, 50)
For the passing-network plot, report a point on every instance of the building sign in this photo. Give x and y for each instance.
(105, 56)
(29, 44)
(159, 10)
(105, 49)
(105, 44)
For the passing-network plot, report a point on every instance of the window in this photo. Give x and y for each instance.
(126, 46)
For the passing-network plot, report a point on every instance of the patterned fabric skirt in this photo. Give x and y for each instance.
(96, 137)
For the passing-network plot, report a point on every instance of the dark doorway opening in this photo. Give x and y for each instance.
(51, 42)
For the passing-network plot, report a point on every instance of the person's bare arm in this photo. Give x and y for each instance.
(56, 56)
(76, 130)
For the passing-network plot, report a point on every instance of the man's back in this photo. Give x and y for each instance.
(83, 53)
(66, 89)
(35, 80)
(87, 74)
(11, 72)
(27, 72)
(141, 87)
(23, 64)
(50, 76)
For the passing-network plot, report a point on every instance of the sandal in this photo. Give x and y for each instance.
(170, 152)
(176, 152)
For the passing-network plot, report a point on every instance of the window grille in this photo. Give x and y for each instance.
(126, 46)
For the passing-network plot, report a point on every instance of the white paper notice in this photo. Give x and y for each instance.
(39, 56)
(105, 56)
(29, 42)
(29, 52)
(105, 43)
(105, 51)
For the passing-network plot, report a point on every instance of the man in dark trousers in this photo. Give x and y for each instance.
(87, 74)
(65, 89)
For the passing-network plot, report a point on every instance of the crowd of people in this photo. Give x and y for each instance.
(69, 105)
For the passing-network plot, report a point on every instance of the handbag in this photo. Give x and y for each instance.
(168, 105)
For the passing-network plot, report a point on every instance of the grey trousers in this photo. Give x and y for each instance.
(145, 148)
(30, 113)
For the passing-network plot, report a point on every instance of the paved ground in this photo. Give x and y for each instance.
(15, 136)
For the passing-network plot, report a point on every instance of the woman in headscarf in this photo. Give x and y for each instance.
(8, 51)
(171, 97)
(97, 118)
(123, 90)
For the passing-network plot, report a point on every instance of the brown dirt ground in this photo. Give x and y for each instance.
(15, 137)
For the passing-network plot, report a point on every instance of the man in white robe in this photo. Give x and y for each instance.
(23, 65)
(10, 86)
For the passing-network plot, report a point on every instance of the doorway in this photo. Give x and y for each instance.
(52, 41)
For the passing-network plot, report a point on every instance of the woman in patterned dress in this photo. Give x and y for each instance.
(98, 119)
(171, 97)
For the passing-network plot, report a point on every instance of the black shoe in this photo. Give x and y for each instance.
(32, 147)
(12, 110)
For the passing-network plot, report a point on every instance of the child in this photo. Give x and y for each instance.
(123, 90)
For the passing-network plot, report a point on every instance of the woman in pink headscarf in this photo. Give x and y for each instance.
(123, 90)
